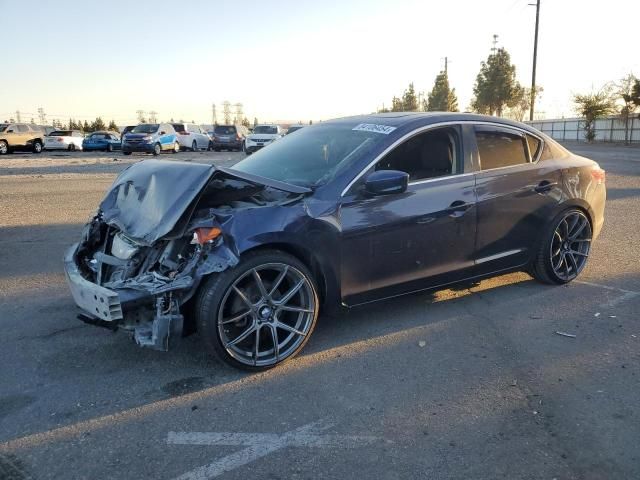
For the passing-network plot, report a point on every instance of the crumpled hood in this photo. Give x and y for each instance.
(148, 198)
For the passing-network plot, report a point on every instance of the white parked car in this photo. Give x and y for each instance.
(64, 140)
(262, 136)
(192, 137)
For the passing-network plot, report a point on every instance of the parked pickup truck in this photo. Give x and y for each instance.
(20, 136)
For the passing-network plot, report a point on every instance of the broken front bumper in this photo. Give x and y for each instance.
(103, 307)
(97, 301)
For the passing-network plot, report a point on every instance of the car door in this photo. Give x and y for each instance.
(393, 244)
(167, 138)
(516, 194)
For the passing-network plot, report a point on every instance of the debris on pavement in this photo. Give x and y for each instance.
(422, 343)
(565, 334)
(597, 314)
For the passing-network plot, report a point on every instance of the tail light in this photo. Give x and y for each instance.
(598, 175)
(238, 137)
(60, 139)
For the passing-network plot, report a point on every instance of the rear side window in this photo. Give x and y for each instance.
(499, 148)
(534, 146)
(23, 128)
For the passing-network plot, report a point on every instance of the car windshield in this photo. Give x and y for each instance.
(266, 129)
(312, 156)
(179, 127)
(97, 136)
(146, 128)
(224, 130)
(60, 133)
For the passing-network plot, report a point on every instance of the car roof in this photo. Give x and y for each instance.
(401, 119)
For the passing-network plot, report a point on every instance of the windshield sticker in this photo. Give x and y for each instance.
(372, 127)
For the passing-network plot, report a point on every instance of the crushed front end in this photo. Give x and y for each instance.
(161, 228)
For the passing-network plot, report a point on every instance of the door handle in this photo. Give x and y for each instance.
(545, 186)
(458, 208)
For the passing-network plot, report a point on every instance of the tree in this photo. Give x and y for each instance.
(521, 103)
(496, 86)
(409, 99)
(442, 98)
(245, 122)
(86, 127)
(592, 106)
(396, 104)
(112, 127)
(97, 125)
(255, 121)
(625, 90)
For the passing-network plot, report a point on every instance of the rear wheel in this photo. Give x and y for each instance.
(564, 249)
(71, 147)
(210, 147)
(194, 146)
(4, 147)
(109, 148)
(259, 313)
(176, 148)
(37, 146)
(157, 149)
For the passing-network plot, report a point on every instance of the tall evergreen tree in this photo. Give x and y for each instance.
(397, 105)
(496, 85)
(85, 127)
(409, 99)
(112, 127)
(442, 98)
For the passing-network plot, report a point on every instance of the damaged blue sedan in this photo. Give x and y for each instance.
(342, 213)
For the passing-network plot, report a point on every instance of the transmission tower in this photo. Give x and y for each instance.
(239, 114)
(495, 44)
(152, 116)
(140, 114)
(214, 118)
(226, 112)
(42, 116)
(18, 116)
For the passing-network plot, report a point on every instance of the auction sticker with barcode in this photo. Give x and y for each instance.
(372, 127)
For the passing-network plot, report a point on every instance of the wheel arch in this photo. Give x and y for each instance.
(327, 289)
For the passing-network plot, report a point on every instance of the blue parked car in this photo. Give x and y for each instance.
(107, 141)
(151, 138)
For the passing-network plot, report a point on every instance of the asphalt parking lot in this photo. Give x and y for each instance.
(468, 383)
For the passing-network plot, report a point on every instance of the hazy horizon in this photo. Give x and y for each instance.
(293, 61)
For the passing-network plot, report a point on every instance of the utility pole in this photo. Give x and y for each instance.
(214, 119)
(18, 116)
(535, 59)
(446, 66)
(42, 116)
(152, 116)
(226, 111)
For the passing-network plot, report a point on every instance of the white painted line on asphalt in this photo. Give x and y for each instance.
(626, 294)
(259, 445)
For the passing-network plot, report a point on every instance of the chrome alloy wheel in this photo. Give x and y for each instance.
(266, 314)
(570, 245)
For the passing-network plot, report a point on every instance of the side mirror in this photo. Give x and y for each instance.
(385, 182)
(163, 132)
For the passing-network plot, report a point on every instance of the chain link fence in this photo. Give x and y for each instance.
(610, 129)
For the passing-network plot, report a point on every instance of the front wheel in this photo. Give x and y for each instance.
(259, 313)
(109, 148)
(157, 149)
(564, 249)
(210, 147)
(37, 146)
(4, 147)
(176, 148)
(72, 147)
(194, 146)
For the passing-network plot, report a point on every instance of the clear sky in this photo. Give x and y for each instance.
(294, 60)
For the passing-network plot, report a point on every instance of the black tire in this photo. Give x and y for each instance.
(126, 153)
(216, 149)
(218, 287)
(109, 148)
(157, 149)
(37, 146)
(194, 146)
(4, 147)
(210, 147)
(72, 147)
(176, 148)
(542, 266)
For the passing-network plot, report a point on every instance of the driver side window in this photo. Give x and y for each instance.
(431, 154)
